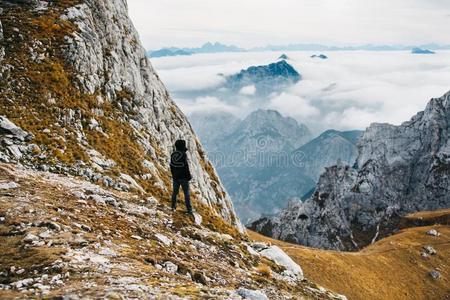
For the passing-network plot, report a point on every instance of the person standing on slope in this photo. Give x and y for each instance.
(181, 175)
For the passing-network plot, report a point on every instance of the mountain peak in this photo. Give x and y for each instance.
(266, 78)
(264, 113)
(271, 117)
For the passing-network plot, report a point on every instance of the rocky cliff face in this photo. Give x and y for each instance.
(76, 78)
(399, 169)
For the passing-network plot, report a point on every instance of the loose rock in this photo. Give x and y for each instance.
(435, 274)
(430, 250)
(8, 185)
(251, 294)
(433, 232)
(170, 267)
(163, 239)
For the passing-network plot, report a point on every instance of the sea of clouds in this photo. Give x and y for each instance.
(348, 91)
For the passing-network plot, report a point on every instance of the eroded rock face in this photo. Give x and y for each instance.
(399, 169)
(95, 55)
(116, 63)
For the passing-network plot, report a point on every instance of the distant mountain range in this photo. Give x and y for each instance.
(267, 159)
(417, 50)
(368, 47)
(206, 48)
(169, 52)
(321, 56)
(218, 47)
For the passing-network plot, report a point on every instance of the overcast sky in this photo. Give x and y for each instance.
(249, 23)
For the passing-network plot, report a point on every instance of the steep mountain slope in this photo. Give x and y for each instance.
(400, 169)
(75, 76)
(65, 238)
(327, 149)
(397, 267)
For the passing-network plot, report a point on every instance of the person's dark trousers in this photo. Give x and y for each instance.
(176, 187)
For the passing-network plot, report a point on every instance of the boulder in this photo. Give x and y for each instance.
(429, 250)
(9, 128)
(280, 257)
(433, 232)
(197, 219)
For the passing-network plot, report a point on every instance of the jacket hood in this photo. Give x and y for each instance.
(180, 145)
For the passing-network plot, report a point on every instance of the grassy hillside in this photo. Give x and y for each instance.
(61, 237)
(392, 268)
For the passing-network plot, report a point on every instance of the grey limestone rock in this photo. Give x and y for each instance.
(399, 170)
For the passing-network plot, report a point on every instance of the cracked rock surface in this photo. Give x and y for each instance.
(399, 170)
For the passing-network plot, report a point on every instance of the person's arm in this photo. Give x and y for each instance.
(186, 167)
(171, 164)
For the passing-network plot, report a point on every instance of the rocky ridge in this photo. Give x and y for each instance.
(76, 78)
(326, 149)
(399, 169)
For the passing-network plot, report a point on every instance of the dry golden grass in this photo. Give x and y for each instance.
(264, 270)
(426, 218)
(43, 197)
(389, 269)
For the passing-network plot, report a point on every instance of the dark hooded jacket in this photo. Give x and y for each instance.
(179, 166)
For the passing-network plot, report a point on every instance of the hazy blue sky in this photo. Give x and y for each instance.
(259, 22)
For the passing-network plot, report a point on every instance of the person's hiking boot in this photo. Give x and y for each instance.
(189, 212)
(173, 209)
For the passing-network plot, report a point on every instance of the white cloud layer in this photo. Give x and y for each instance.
(293, 106)
(254, 22)
(205, 104)
(248, 90)
(350, 90)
